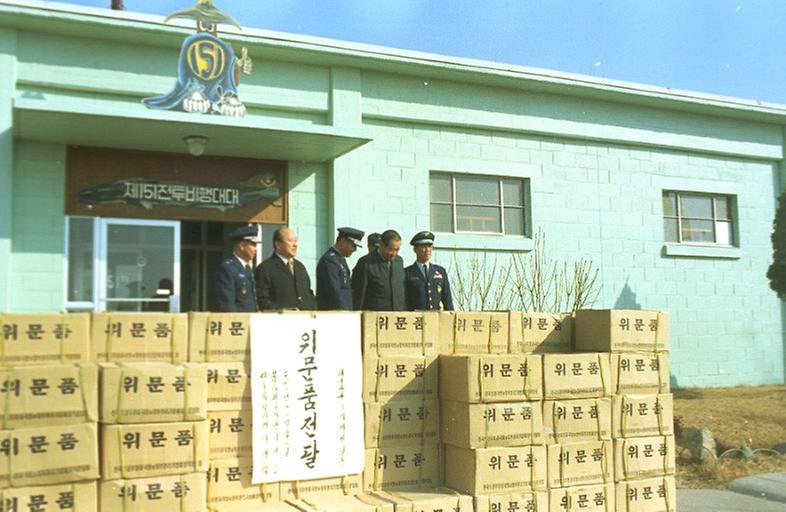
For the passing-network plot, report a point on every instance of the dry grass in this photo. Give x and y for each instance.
(740, 416)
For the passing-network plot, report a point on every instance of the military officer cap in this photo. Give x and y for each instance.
(422, 238)
(247, 233)
(352, 234)
(374, 239)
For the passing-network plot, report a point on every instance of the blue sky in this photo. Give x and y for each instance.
(728, 47)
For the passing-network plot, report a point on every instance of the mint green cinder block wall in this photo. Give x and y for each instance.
(603, 202)
(38, 237)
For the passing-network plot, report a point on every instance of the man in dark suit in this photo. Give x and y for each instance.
(378, 278)
(426, 283)
(282, 281)
(334, 287)
(234, 278)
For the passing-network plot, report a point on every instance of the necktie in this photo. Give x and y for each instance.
(291, 266)
(425, 270)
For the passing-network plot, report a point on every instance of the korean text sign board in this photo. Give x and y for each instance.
(306, 394)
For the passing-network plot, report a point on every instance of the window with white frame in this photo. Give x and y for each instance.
(475, 204)
(697, 218)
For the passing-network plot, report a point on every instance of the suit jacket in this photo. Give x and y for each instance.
(334, 287)
(277, 289)
(377, 285)
(428, 293)
(234, 287)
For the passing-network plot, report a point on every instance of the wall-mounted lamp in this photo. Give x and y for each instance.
(195, 144)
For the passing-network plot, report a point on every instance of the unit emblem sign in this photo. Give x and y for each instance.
(208, 70)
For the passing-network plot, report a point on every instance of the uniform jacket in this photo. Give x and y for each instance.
(334, 286)
(428, 293)
(377, 286)
(234, 287)
(277, 289)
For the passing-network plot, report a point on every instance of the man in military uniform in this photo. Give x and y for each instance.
(282, 281)
(234, 278)
(426, 283)
(334, 287)
(373, 242)
(378, 278)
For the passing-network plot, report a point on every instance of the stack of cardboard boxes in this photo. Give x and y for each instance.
(488, 411)
(153, 413)
(642, 411)
(49, 437)
(220, 342)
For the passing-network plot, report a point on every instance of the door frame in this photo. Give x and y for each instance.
(103, 224)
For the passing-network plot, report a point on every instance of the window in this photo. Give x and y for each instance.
(693, 218)
(478, 204)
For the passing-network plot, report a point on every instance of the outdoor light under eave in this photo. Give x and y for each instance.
(195, 144)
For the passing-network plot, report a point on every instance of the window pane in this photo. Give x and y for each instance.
(670, 230)
(696, 206)
(473, 190)
(440, 188)
(441, 218)
(80, 260)
(697, 230)
(722, 208)
(670, 204)
(723, 234)
(478, 218)
(514, 221)
(513, 192)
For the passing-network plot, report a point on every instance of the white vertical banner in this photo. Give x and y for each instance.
(306, 390)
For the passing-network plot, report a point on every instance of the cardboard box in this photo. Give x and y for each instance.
(583, 498)
(155, 494)
(230, 434)
(473, 333)
(621, 330)
(400, 377)
(153, 449)
(642, 415)
(491, 424)
(518, 501)
(643, 457)
(394, 467)
(402, 422)
(567, 376)
(228, 386)
(229, 483)
(272, 506)
(139, 337)
(640, 372)
(219, 337)
(38, 396)
(425, 500)
(341, 504)
(72, 496)
(491, 378)
(541, 333)
(153, 392)
(650, 495)
(401, 333)
(495, 470)
(585, 419)
(308, 489)
(582, 463)
(48, 455)
(44, 339)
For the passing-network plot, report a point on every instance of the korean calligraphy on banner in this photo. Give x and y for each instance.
(306, 393)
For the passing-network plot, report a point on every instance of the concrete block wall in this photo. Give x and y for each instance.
(38, 235)
(603, 202)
